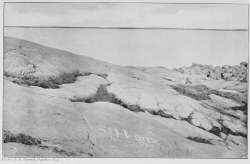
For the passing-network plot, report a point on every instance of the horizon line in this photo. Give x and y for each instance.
(144, 2)
(121, 28)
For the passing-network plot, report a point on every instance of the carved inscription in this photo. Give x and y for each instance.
(123, 135)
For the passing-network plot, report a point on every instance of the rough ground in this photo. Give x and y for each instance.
(57, 104)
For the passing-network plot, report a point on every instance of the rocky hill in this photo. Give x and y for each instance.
(58, 104)
(226, 72)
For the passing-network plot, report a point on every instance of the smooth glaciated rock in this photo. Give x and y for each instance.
(107, 110)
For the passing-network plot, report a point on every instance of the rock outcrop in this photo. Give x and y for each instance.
(226, 72)
(77, 106)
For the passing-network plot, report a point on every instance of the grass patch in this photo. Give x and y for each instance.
(161, 113)
(52, 82)
(20, 138)
(102, 95)
(237, 97)
(202, 92)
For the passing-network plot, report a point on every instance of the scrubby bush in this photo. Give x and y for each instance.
(52, 81)
(102, 95)
(20, 138)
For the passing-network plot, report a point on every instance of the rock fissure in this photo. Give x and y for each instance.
(216, 130)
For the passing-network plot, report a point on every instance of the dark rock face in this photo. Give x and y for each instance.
(226, 72)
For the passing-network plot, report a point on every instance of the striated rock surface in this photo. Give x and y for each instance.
(68, 105)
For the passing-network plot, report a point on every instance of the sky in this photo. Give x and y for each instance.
(169, 35)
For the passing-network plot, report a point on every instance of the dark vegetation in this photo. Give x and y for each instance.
(197, 92)
(241, 108)
(28, 140)
(202, 92)
(63, 152)
(70, 153)
(228, 131)
(104, 96)
(217, 131)
(237, 97)
(161, 113)
(200, 140)
(20, 138)
(53, 82)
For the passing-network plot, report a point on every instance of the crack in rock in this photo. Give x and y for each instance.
(221, 110)
(216, 130)
(228, 131)
(201, 92)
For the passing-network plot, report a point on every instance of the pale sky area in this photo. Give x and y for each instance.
(212, 16)
(146, 47)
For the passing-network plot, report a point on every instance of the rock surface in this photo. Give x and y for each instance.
(226, 72)
(76, 106)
